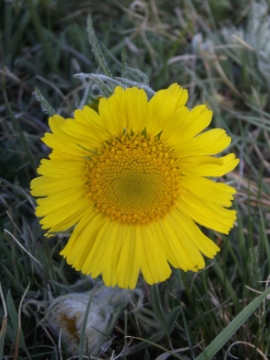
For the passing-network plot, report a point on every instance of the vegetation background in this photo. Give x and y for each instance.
(219, 51)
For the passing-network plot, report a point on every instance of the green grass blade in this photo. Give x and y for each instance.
(159, 347)
(20, 132)
(17, 334)
(227, 284)
(84, 325)
(225, 335)
(172, 317)
(4, 323)
(44, 40)
(157, 307)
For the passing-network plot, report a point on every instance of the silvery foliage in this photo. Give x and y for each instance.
(256, 34)
(101, 84)
(249, 40)
(45, 105)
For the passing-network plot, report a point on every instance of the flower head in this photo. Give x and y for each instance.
(132, 181)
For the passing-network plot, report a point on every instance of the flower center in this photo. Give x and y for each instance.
(134, 179)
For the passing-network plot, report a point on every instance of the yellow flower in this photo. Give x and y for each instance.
(131, 181)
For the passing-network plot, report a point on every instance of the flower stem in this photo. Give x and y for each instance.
(96, 47)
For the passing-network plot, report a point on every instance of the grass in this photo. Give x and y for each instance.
(222, 60)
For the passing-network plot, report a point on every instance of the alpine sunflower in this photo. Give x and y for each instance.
(131, 181)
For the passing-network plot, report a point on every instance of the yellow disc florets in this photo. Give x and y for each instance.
(133, 179)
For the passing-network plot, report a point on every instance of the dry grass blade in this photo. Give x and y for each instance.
(23, 248)
(17, 343)
(236, 343)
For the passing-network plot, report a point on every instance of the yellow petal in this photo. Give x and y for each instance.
(185, 124)
(130, 257)
(208, 190)
(163, 106)
(208, 165)
(208, 143)
(154, 264)
(82, 240)
(207, 214)
(194, 234)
